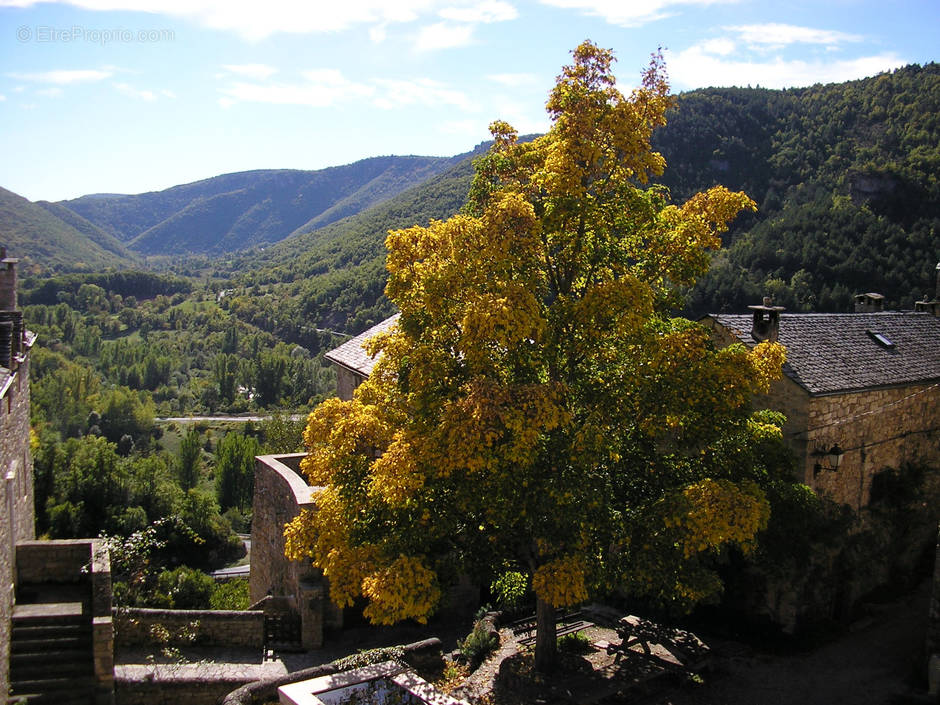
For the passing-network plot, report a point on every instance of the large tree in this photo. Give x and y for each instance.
(536, 407)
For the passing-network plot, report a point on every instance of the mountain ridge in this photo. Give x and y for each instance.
(241, 210)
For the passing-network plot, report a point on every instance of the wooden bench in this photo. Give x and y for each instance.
(564, 625)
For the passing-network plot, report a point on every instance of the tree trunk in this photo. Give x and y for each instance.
(546, 646)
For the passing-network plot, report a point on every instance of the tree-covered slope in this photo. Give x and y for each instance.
(233, 212)
(845, 177)
(48, 237)
(334, 277)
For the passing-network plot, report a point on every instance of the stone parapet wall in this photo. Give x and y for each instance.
(877, 429)
(227, 628)
(280, 493)
(60, 561)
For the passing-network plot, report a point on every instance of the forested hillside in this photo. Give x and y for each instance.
(334, 277)
(845, 177)
(48, 237)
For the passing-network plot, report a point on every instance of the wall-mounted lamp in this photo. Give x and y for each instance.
(833, 458)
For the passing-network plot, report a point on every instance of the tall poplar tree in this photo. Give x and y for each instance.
(536, 406)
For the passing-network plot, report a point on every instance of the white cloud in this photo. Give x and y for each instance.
(255, 71)
(168, 94)
(320, 88)
(131, 92)
(721, 47)
(64, 77)
(443, 35)
(422, 91)
(778, 35)
(378, 33)
(629, 13)
(2, 97)
(53, 92)
(514, 80)
(696, 68)
(255, 21)
(486, 11)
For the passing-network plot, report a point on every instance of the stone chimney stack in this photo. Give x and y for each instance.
(931, 306)
(11, 318)
(7, 281)
(869, 303)
(766, 325)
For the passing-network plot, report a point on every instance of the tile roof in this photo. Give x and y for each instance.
(835, 352)
(353, 356)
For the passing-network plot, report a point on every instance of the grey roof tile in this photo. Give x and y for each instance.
(834, 352)
(352, 355)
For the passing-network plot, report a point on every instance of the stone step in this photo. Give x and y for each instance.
(41, 630)
(46, 644)
(60, 663)
(54, 612)
(55, 691)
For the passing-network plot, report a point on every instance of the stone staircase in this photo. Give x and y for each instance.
(51, 647)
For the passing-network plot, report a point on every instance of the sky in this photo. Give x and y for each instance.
(128, 96)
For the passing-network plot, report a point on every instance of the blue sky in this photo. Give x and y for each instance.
(126, 96)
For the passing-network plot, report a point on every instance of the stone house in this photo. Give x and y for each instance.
(861, 391)
(353, 364)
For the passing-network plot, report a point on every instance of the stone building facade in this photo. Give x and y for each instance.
(865, 385)
(16, 464)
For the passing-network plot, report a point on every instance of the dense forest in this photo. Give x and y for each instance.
(844, 175)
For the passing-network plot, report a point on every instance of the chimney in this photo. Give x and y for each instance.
(7, 281)
(766, 321)
(869, 303)
(931, 306)
(11, 319)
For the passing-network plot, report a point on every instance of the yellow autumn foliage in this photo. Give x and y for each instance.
(561, 582)
(712, 513)
(405, 589)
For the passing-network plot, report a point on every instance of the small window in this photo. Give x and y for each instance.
(882, 340)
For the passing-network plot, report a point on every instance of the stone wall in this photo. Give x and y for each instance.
(346, 382)
(280, 494)
(16, 490)
(877, 429)
(227, 628)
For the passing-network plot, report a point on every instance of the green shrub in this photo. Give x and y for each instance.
(510, 588)
(187, 588)
(230, 595)
(479, 644)
(576, 643)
